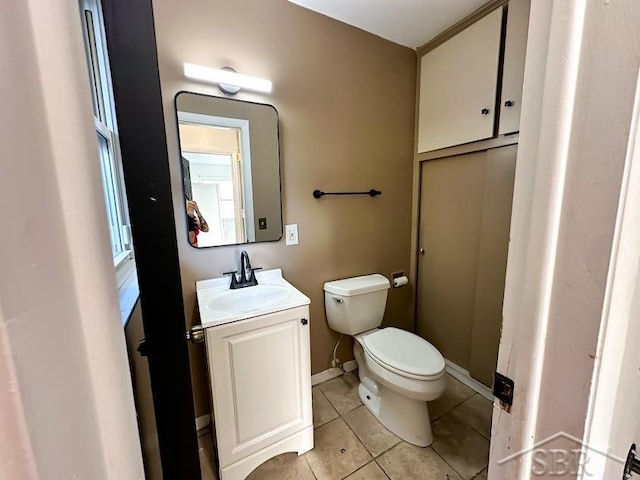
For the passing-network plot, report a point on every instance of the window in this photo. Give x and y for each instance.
(107, 141)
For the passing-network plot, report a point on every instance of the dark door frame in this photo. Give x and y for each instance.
(138, 98)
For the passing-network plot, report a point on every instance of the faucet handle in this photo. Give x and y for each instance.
(234, 279)
(252, 280)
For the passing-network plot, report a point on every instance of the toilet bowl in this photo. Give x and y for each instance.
(395, 396)
(398, 370)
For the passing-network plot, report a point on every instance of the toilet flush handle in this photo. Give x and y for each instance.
(338, 300)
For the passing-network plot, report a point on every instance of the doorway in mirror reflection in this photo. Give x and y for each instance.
(212, 160)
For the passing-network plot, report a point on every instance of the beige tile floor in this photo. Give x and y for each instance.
(351, 444)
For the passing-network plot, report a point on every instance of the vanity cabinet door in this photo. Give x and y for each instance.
(458, 83)
(261, 381)
(515, 50)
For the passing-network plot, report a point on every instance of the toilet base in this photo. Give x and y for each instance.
(403, 416)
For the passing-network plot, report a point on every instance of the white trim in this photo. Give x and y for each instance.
(121, 257)
(203, 421)
(322, 377)
(335, 372)
(107, 125)
(546, 127)
(464, 376)
(555, 193)
(611, 368)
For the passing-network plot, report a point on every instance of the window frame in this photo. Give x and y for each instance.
(105, 124)
(109, 154)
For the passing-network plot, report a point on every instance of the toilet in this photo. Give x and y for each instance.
(399, 371)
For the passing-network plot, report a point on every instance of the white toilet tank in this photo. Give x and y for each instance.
(355, 305)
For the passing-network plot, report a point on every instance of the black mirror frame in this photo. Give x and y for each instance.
(184, 193)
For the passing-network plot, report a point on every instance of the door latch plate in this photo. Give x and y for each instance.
(503, 390)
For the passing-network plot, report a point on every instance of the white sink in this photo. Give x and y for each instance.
(218, 304)
(249, 298)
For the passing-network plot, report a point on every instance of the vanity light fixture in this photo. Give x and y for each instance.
(227, 79)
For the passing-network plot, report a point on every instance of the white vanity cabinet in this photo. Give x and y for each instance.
(259, 369)
(458, 86)
(261, 385)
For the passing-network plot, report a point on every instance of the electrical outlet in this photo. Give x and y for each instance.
(292, 234)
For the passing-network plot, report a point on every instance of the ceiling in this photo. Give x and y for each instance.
(411, 23)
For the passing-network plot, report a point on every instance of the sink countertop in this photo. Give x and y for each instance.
(272, 294)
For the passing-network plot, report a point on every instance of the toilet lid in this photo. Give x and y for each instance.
(404, 351)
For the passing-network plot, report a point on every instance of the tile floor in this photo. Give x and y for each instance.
(351, 444)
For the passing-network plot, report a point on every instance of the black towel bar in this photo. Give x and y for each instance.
(372, 193)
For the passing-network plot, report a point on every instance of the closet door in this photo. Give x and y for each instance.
(458, 82)
(452, 191)
(492, 262)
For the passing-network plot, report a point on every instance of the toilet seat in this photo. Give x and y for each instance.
(403, 353)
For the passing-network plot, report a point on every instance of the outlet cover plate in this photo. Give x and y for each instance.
(292, 234)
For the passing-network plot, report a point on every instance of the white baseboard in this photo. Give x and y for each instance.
(330, 373)
(203, 422)
(463, 375)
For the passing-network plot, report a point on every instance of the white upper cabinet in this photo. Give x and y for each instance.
(514, 55)
(458, 87)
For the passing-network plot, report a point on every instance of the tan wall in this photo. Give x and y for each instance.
(346, 104)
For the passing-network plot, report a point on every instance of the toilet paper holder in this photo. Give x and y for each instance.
(398, 279)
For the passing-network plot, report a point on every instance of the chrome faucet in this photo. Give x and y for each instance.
(247, 273)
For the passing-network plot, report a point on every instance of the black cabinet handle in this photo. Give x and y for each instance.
(485, 111)
(304, 321)
(509, 103)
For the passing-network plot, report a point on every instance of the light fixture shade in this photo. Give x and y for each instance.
(218, 76)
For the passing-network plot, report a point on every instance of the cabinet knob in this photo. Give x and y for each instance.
(509, 103)
(421, 251)
(304, 321)
(485, 111)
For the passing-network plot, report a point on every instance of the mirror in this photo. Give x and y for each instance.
(230, 165)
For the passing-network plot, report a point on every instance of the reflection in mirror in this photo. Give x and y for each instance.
(230, 170)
